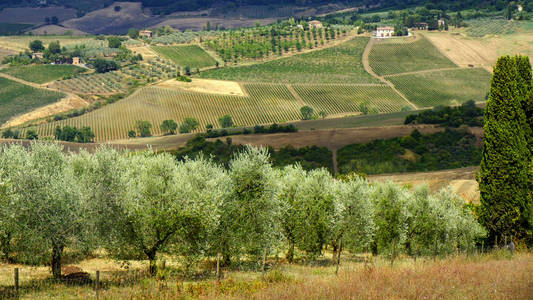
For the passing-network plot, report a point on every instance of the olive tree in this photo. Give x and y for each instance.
(46, 200)
(354, 223)
(250, 215)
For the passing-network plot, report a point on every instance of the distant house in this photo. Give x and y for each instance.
(315, 24)
(300, 26)
(145, 33)
(38, 55)
(75, 60)
(384, 32)
(441, 22)
(421, 26)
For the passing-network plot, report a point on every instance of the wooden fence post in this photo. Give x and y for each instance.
(17, 281)
(218, 267)
(97, 284)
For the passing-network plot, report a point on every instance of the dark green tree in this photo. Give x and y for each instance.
(225, 121)
(307, 112)
(36, 46)
(169, 127)
(503, 176)
(144, 128)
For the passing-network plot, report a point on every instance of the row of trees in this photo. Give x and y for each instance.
(144, 128)
(141, 205)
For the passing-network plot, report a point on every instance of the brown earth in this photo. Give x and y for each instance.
(211, 86)
(462, 181)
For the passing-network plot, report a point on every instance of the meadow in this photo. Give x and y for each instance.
(186, 56)
(338, 64)
(491, 26)
(450, 87)
(390, 57)
(18, 98)
(496, 275)
(42, 73)
(21, 42)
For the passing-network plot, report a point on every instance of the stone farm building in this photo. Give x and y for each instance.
(384, 32)
(145, 33)
(315, 24)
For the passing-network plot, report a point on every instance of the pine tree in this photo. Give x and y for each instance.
(503, 177)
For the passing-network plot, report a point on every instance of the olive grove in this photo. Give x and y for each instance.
(144, 205)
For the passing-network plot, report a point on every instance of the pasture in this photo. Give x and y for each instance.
(186, 56)
(450, 87)
(42, 73)
(21, 42)
(338, 99)
(391, 58)
(338, 64)
(18, 98)
(266, 103)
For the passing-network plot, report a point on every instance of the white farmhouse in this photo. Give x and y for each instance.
(385, 32)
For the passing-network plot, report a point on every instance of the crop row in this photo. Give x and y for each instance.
(107, 83)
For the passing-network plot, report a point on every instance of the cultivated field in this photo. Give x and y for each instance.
(13, 28)
(337, 99)
(21, 42)
(100, 84)
(17, 98)
(338, 64)
(266, 103)
(450, 87)
(391, 58)
(42, 73)
(491, 26)
(186, 56)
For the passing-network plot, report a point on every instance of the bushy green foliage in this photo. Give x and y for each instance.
(503, 177)
(307, 112)
(466, 114)
(102, 65)
(415, 152)
(169, 127)
(146, 204)
(73, 134)
(143, 128)
(225, 121)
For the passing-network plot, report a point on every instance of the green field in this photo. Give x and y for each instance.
(338, 64)
(13, 28)
(17, 98)
(444, 87)
(96, 83)
(338, 99)
(42, 73)
(491, 26)
(392, 58)
(267, 103)
(186, 56)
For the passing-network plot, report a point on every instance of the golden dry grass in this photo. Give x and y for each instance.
(495, 276)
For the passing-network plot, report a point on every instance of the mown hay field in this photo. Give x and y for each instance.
(42, 73)
(338, 98)
(450, 87)
(392, 58)
(338, 64)
(17, 98)
(186, 56)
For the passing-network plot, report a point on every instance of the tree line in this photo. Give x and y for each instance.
(142, 205)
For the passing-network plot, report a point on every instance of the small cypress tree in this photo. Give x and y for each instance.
(503, 177)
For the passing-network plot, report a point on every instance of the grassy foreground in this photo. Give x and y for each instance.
(494, 276)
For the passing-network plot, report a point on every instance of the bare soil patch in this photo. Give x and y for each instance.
(35, 15)
(66, 104)
(461, 181)
(221, 87)
(145, 51)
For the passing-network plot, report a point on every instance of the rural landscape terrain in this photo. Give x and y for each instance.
(297, 149)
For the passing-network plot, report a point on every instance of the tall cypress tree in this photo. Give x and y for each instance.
(503, 177)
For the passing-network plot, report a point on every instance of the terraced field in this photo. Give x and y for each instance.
(444, 87)
(42, 73)
(17, 98)
(186, 56)
(338, 99)
(338, 64)
(267, 103)
(392, 57)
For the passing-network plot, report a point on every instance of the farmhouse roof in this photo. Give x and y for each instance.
(386, 28)
(315, 22)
